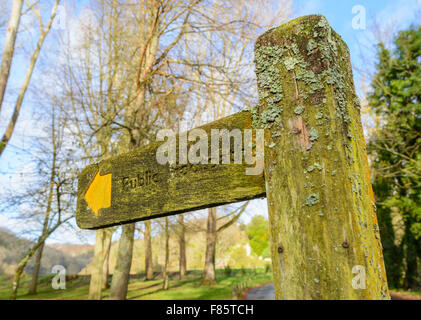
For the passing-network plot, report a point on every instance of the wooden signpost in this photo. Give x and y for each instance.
(134, 186)
(325, 238)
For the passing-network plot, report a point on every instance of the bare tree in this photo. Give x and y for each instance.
(233, 85)
(124, 262)
(9, 46)
(146, 232)
(166, 282)
(161, 68)
(99, 272)
(106, 265)
(182, 246)
(212, 230)
(51, 195)
(211, 237)
(148, 251)
(7, 60)
(91, 86)
(55, 145)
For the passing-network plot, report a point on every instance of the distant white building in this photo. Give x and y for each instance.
(248, 249)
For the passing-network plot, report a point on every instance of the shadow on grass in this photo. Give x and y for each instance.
(172, 286)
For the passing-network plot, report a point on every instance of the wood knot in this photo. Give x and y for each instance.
(345, 244)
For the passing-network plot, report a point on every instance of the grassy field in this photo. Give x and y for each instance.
(189, 288)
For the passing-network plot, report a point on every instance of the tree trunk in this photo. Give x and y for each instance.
(35, 273)
(148, 251)
(23, 262)
(95, 285)
(106, 267)
(34, 282)
(325, 239)
(120, 281)
(165, 285)
(411, 259)
(9, 46)
(211, 236)
(18, 274)
(182, 246)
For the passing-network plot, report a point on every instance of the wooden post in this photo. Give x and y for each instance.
(324, 232)
(325, 239)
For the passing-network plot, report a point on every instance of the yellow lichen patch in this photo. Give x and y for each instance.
(98, 195)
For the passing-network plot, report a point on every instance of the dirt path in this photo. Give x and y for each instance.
(403, 296)
(266, 292)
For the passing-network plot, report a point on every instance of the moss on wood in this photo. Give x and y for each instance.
(166, 190)
(318, 183)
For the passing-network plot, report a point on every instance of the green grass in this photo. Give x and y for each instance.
(189, 288)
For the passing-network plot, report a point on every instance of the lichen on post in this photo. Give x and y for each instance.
(325, 240)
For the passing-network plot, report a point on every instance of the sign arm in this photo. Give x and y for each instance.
(142, 189)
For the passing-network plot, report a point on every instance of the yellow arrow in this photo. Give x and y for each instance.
(98, 195)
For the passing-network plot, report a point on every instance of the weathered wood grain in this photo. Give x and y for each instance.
(323, 226)
(166, 190)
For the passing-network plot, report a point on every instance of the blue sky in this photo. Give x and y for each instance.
(398, 14)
